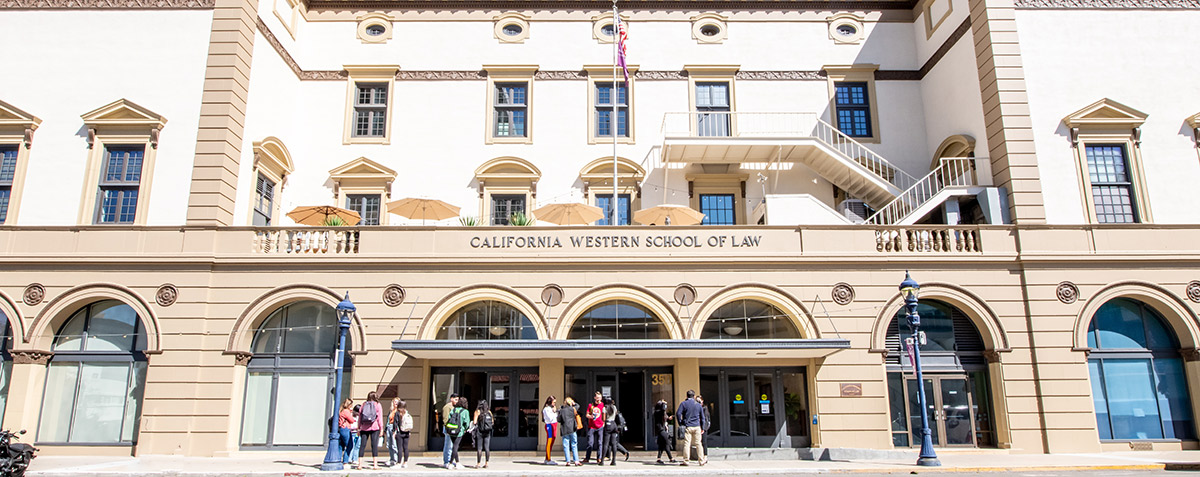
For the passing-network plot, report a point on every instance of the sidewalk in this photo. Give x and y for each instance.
(308, 463)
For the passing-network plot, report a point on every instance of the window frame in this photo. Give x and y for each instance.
(848, 107)
(720, 184)
(857, 73)
(1107, 122)
(511, 75)
(1133, 170)
(506, 175)
(368, 75)
(120, 123)
(121, 186)
(492, 218)
(16, 131)
(363, 176)
(273, 161)
(1127, 184)
(362, 208)
(258, 195)
(704, 74)
(599, 75)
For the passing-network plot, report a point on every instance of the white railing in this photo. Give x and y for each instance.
(306, 240)
(928, 239)
(959, 171)
(783, 125)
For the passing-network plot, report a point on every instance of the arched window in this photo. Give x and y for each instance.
(618, 319)
(487, 320)
(5, 363)
(749, 319)
(1138, 385)
(96, 378)
(290, 378)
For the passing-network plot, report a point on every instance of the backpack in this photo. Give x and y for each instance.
(454, 423)
(486, 423)
(369, 414)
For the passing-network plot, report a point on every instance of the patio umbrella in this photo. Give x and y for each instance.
(414, 208)
(569, 214)
(318, 214)
(668, 215)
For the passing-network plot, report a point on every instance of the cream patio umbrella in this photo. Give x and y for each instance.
(318, 214)
(424, 209)
(569, 213)
(668, 215)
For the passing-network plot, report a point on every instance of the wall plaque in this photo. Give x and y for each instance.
(851, 389)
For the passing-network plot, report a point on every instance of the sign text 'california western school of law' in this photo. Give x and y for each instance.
(617, 241)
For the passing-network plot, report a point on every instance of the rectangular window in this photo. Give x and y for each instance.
(604, 202)
(511, 109)
(8, 170)
(853, 108)
(1112, 190)
(119, 182)
(367, 207)
(504, 206)
(712, 103)
(604, 110)
(717, 209)
(264, 201)
(370, 110)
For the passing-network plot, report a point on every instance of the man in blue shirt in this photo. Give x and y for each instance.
(690, 415)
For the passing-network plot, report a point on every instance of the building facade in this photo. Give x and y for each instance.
(159, 300)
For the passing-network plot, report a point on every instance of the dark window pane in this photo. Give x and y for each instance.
(604, 202)
(487, 320)
(8, 163)
(367, 207)
(618, 319)
(853, 106)
(718, 209)
(1112, 191)
(504, 206)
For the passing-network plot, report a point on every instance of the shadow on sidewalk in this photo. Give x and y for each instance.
(297, 464)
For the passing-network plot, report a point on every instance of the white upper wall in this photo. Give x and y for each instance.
(1139, 58)
(152, 58)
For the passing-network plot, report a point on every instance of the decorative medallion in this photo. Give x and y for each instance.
(34, 294)
(552, 295)
(166, 295)
(843, 293)
(1193, 291)
(1067, 292)
(685, 294)
(393, 295)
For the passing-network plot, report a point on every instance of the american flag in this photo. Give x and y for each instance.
(622, 41)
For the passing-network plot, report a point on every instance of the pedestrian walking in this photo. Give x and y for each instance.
(389, 433)
(404, 429)
(370, 422)
(595, 428)
(456, 427)
(690, 415)
(482, 424)
(569, 424)
(612, 432)
(705, 423)
(662, 429)
(444, 420)
(346, 429)
(550, 419)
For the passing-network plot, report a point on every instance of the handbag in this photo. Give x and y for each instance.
(578, 421)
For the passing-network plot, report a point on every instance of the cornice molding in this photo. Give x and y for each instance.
(1108, 4)
(107, 4)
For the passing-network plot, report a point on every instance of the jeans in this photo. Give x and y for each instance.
(571, 447)
(346, 440)
(355, 447)
(447, 443)
(389, 441)
(595, 441)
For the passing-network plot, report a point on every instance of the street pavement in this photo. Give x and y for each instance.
(298, 464)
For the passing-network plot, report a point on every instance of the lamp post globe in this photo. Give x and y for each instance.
(910, 289)
(333, 453)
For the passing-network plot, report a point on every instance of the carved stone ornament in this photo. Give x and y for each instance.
(1067, 292)
(1193, 291)
(242, 358)
(1190, 354)
(559, 75)
(34, 294)
(166, 295)
(991, 355)
(843, 293)
(393, 295)
(800, 75)
(403, 75)
(1108, 4)
(31, 357)
(685, 294)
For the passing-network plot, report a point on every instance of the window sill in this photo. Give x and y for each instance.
(865, 139)
(510, 140)
(367, 140)
(608, 140)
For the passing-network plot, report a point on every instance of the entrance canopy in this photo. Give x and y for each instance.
(611, 348)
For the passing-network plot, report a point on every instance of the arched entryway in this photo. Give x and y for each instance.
(957, 385)
(290, 378)
(96, 378)
(1139, 386)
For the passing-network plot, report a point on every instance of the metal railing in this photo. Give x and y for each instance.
(783, 125)
(307, 240)
(928, 239)
(958, 171)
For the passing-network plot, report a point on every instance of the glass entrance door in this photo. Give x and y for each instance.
(511, 395)
(634, 391)
(756, 407)
(950, 407)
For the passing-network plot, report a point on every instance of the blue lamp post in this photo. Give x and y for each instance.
(333, 453)
(909, 288)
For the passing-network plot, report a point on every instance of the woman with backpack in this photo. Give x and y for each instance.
(404, 426)
(483, 423)
(370, 422)
(456, 425)
(612, 431)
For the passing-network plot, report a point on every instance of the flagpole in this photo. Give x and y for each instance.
(616, 95)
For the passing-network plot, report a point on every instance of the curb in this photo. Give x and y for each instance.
(1038, 468)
